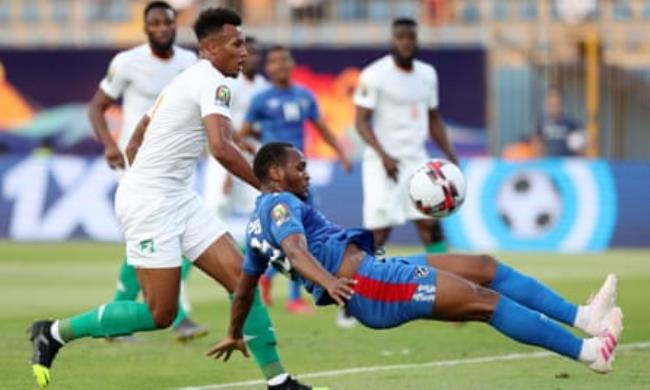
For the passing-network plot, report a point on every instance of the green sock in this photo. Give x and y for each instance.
(112, 319)
(262, 343)
(128, 286)
(436, 247)
(186, 266)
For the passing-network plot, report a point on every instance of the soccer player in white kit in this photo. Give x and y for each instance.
(162, 216)
(396, 109)
(223, 192)
(138, 75)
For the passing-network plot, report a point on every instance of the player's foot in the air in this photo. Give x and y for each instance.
(608, 341)
(293, 384)
(600, 306)
(189, 330)
(45, 348)
(299, 306)
(265, 290)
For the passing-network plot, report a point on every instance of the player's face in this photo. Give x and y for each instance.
(160, 27)
(279, 65)
(253, 60)
(229, 51)
(296, 177)
(553, 104)
(404, 44)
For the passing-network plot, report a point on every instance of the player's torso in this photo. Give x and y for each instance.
(148, 76)
(283, 116)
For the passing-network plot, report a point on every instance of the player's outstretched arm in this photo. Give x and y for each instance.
(96, 110)
(362, 118)
(136, 139)
(241, 305)
(294, 247)
(439, 135)
(331, 140)
(222, 146)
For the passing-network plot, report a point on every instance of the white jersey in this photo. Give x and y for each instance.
(246, 89)
(175, 137)
(400, 101)
(138, 76)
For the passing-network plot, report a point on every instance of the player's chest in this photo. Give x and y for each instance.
(286, 110)
(405, 89)
(149, 79)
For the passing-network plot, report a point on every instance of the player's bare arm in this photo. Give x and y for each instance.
(96, 110)
(295, 248)
(222, 146)
(362, 120)
(331, 140)
(439, 135)
(241, 305)
(136, 139)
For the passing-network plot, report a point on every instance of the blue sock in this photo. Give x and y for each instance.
(270, 272)
(294, 290)
(532, 294)
(531, 327)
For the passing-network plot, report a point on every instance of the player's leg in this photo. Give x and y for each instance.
(128, 286)
(431, 235)
(530, 292)
(381, 236)
(458, 299)
(185, 328)
(381, 203)
(222, 262)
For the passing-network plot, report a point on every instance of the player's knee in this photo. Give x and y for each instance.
(164, 316)
(486, 268)
(480, 308)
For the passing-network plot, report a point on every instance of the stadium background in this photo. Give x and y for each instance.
(495, 58)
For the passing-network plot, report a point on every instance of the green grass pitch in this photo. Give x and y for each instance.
(49, 281)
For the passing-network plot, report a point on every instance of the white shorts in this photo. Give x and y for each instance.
(159, 230)
(241, 199)
(385, 202)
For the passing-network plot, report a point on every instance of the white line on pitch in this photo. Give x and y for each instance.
(438, 363)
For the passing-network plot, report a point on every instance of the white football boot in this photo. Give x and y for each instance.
(608, 341)
(600, 306)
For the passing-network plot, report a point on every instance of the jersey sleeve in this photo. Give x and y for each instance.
(215, 98)
(367, 92)
(313, 113)
(433, 94)
(254, 264)
(285, 217)
(117, 77)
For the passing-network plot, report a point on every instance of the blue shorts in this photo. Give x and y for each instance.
(393, 291)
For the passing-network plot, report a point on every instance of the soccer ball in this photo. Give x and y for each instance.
(437, 188)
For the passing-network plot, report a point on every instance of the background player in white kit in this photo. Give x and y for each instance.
(162, 216)
(223, 192)
(138, 75)
(396, 108)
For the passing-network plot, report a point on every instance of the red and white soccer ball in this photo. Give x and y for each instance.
(437, 188)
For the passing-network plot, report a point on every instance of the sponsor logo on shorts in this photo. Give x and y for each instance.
(421, 272)
(280, 214)
(425, 293)
(147, 246)
(222, 96)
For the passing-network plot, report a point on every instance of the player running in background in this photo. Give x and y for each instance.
(138, 75)
(223, 192)
(396, 109)
(337, 266)
(281, 112)
(162, 216)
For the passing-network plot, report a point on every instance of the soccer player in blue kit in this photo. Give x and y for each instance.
(280, 113)
(337, 266)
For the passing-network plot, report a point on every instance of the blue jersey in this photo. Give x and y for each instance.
(281, 114)
(279, 215)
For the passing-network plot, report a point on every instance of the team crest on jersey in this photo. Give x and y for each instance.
(421, 272)
(280, 213)
(222, 96)
(147, 246)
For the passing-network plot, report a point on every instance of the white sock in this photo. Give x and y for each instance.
(582, 318)
(278, 379)
(589, 351)
(54, 331)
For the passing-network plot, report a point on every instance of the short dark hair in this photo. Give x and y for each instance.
(273, 153)
(407, 22)
(213, 19)
(157, 4)
(277, 48)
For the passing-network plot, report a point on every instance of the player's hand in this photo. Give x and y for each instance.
(346, 162)
(341, 289)
(391, 166)
(228, 185)
(224, 348)
(114, 157)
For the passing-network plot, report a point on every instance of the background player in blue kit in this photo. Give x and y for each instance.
(337, 265)
(280, 113)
